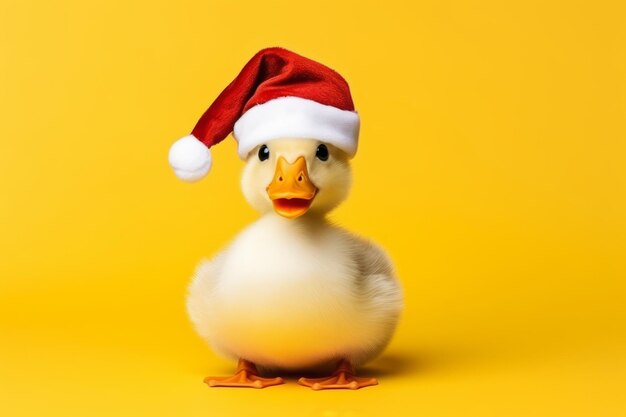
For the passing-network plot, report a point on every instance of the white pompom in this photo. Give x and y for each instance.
(190, 158)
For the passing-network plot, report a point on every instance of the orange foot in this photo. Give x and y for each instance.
(342, 378)
(246, 376)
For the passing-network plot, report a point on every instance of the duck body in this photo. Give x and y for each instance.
(296, 294)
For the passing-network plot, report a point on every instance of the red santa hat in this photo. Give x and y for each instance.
(277, 94)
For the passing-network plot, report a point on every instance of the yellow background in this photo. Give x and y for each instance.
(491, 166)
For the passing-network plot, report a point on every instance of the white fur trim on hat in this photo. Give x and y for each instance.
(295, 117)
(190, 158)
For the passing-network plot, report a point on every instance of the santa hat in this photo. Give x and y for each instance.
(277, 94)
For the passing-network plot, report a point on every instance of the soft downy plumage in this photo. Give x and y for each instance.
(292, 291)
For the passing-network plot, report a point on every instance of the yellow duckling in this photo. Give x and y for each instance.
(292, 291)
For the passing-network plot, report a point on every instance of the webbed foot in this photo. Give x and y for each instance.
(342, 378)
(246, 376)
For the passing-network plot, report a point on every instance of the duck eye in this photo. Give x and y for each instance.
(264, 153)
(322, 152)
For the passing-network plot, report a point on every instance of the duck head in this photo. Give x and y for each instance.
(296, 177)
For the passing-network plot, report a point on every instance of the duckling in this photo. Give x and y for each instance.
(293, 291)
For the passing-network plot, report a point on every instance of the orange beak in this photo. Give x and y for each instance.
(291, 190)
